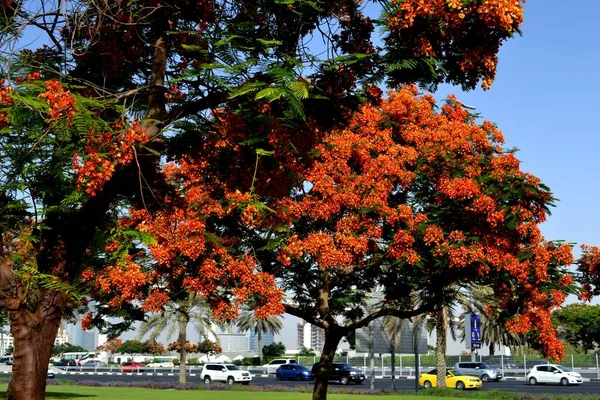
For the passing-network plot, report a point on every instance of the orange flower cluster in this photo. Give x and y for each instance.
(6, 100)
(155, 301)
(62, 104)
(32, 77)
(104, 153)
(208, 267)
(589, 266)
(126, 282)
(454, 174)
(474, 29)
(189, 347)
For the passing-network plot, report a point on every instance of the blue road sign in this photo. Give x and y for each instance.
(475, 330)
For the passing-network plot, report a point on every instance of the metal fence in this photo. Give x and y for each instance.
(517, 366)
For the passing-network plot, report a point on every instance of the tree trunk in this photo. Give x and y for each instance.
(182, 351)
(260, 347)
(372, 355)
(441, 326)
(492, 349)
(393, 368)
(332, 339)
(33, 335)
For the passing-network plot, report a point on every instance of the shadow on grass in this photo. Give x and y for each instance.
(56, 395)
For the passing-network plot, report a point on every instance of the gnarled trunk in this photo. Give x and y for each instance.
(441, 326)
(33, 335)
(332, 339)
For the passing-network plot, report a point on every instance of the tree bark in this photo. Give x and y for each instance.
(33, 334)
(441, 325)
(182, 338)
(332, 339)
(492, 349)
(371, 356)
(260, 346)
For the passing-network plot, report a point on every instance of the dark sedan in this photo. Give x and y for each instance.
(65, 363)
(343, 373)
(293, 372)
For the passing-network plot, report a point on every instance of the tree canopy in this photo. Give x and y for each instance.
(153, 149)
(579, 324)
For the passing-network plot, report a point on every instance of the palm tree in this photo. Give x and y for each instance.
(247, 321)
(392, 327)
(176, 317)
(493, 331)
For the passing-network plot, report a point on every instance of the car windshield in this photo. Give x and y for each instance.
(302, 367)
(232, 367)
(484, 366)
(563, 369)
(346, 367)
(456, 373)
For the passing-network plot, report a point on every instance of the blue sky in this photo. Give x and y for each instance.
(544, 100)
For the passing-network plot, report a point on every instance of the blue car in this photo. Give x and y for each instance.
(295, 372)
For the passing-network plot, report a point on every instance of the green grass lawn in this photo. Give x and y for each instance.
(100, 393)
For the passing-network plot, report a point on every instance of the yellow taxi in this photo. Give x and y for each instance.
(454, 379)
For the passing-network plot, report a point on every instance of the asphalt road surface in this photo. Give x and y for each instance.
(401, 384)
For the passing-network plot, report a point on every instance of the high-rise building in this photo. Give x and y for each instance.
(78, 337)
(267, 339)
(310, 336)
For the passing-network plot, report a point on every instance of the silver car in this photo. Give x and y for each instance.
(479, 369)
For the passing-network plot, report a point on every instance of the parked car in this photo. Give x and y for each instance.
(132, 367)
(8, 360)
(273, 365)
(454, 379)
(479, 369)
(294, 372)
(51, 374)
(65, 363)
(228, 373)
(343, 373)
(92, 363)
(553, 373)
(161, 364)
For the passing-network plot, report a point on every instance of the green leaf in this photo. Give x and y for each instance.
(262, 152)
(144, 237)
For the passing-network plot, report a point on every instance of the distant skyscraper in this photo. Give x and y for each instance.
(78, 337)
(310, 336)
(267, 338)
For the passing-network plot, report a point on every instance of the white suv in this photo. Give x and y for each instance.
(273, 365)
(552, 373)
(225, 373)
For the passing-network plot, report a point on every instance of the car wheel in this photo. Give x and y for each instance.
(427, 385)
(485, 377)
(300, 377)
(532, 381)
(230, 380)
(564, 382)
(460, 385)
(207, 380)
(344, 380)
(278, 377)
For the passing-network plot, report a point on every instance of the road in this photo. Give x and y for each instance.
(401, 384)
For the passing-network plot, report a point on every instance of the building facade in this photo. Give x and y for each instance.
(310, 336)
(267, 339)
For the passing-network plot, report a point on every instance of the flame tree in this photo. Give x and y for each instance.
(88, 120)
(404, 198)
